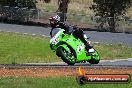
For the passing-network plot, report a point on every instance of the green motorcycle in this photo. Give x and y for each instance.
(70, 49)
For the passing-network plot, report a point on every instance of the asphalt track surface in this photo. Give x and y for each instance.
(107, 37)
(117, 38)
(119, 63)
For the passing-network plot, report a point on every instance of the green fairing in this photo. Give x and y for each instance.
(75, 45)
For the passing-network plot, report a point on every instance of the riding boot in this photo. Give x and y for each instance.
(88, 47)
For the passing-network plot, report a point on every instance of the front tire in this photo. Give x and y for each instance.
(67, 57)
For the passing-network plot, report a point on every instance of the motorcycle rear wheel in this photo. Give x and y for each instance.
(95, 58)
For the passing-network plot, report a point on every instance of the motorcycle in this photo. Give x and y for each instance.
(70, 49)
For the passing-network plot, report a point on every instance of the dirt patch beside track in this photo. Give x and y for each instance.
(54, 72)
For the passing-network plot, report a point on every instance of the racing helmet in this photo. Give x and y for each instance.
(54, 20)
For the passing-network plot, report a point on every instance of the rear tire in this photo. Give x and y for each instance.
(93, 61)
(95, 58)
(62, 53)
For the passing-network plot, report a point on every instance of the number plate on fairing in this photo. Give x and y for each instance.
(80, 48)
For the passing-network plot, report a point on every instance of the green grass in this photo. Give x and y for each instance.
(20, 48)
(56, 82)
(113, 51)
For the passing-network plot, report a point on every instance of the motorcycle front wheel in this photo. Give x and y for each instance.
(67, 56)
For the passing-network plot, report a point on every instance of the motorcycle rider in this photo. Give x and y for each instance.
(78, 33)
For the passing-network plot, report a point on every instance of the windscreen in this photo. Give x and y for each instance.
(55, 31)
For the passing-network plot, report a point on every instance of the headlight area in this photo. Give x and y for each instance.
(55, 41)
